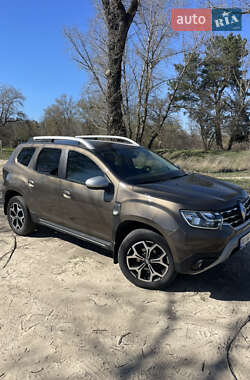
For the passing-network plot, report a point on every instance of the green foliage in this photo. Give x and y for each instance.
(211, 90)
(222, 63)
(17, 131)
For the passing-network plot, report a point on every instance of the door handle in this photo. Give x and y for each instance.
(31, 183)
(66, 194)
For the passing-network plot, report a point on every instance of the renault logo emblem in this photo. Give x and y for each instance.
(242, 211)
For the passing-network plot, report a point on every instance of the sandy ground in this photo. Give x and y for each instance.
(66, 312)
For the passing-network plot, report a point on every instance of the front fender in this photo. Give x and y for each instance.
(140, 214)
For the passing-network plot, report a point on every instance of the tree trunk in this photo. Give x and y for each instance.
(116, 124)
(217, 128)
(118, 23)
(152, 139)
(230, 143)
(204, 140)
(218, 136)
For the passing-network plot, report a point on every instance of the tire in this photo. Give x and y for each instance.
(19, 217)
(137, 258)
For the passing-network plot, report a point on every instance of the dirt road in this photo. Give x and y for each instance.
(68, 313)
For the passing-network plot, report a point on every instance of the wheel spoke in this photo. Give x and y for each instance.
(151, 249)
(136, 254)
(13, 211)
(156, 273)
(153, 272)
(139, 270)
(159, 261)
(133, 264)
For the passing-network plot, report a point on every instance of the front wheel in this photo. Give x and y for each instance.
(145, 260)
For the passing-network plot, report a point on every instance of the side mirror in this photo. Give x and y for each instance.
(97, 183)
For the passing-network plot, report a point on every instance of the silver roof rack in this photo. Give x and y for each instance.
(69, 138)
(123, 140)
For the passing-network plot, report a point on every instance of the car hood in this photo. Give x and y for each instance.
(195, 191)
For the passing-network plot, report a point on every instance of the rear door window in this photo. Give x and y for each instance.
(48, 161)
(25, 156)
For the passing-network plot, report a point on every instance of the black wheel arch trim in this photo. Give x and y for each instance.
(7, 195)
(128, 225)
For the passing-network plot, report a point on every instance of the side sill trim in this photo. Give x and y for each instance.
(80, 235)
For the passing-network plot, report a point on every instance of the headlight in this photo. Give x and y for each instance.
(203, 219)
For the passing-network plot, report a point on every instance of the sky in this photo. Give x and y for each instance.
(35, 56)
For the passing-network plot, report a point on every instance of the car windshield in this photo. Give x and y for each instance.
(137, 165)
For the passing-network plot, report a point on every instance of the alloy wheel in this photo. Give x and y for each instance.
(16, 214)
(147, 261)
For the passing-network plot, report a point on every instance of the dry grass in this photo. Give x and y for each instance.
(245, 184)
(5, 153)
(214, 162)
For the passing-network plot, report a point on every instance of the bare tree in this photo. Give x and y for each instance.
(62, 118)
(170, 99)
(243, 4)
(90, 53)
(92, 109)
(11, 103)
(106, 68)
(150, 45)
(90, 58)
(144, 68)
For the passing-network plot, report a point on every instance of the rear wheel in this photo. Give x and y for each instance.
(19, 216)
(145, 260)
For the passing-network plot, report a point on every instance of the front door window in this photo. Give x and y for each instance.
(80, 168)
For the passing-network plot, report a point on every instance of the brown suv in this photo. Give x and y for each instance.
(155, 218)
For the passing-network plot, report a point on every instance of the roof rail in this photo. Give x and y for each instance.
(69, 138)
(123, 140)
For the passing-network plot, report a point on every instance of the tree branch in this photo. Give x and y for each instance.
(132, 10)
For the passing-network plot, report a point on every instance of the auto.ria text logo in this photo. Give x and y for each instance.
(205, 19)
(226, 19)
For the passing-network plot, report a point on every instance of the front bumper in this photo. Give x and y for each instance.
(189, 265)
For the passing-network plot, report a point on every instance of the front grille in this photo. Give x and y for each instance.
(233, 216)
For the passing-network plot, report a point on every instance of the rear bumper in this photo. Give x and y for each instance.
(201, 262)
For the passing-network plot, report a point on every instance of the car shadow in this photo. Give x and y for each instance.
(44, 232)
(229, 281)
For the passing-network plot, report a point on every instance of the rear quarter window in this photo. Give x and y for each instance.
(25, 156)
